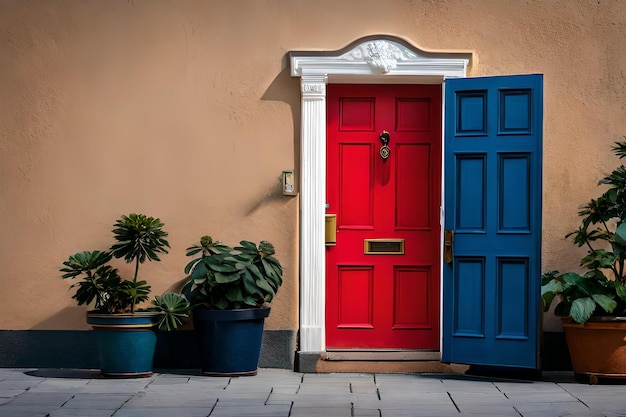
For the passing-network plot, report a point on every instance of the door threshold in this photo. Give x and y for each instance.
(381, 355)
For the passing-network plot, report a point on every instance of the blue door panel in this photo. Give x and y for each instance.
(493, 157)
(512, 285)
(469, 318)
(514, 193)
(471, 170)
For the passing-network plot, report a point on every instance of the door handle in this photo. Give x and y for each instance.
(448, 241)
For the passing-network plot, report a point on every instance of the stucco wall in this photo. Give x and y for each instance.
(186, 111)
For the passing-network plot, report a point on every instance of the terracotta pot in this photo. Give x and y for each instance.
(597, 348)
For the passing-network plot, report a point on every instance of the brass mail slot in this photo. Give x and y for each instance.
(331, 230)
(384, 246)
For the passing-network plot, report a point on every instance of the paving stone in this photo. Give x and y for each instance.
(370, 397)
(528, 387)
(482, 410)
(320, 410)
(322, 400)
(557, 413)
(418, 412)
(285, 389)
(241, 400)
(7, 394)
(22, 384)
(31, 411)
(163, 412)
(541, 397)
(365, 412)
(98, 401)
(208, 383)
(462, 398)
(80, 412)
(181, 400)
(50, 399)
(439, 407)
(170, 381)
(222, 410)
(60, 385)
(414, 396)
(281, 398)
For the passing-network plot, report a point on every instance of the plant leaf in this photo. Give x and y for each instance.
(620, 234)
(607, 303)
(582, 309)
(222, 278)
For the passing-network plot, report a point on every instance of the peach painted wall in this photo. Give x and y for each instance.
(185, 110)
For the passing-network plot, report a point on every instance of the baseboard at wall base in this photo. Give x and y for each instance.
(48, 349)
(554, 353)
(177, 350)
(78, 349)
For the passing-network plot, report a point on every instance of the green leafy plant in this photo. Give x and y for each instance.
(226, 278)
(601, 290)
(174, 308)
(138, 238)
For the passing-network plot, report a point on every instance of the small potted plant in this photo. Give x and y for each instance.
(593, 303)
(229, 289)
(125, 335)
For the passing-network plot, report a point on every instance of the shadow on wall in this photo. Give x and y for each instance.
(73, 317)
(286, 89)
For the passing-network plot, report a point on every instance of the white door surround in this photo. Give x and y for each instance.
(380, 59)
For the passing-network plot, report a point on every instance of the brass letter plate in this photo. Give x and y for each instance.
(384, 246)
(331, 230)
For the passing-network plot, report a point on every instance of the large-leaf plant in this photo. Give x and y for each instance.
(601, 290)
(225, 278)
(138, 238)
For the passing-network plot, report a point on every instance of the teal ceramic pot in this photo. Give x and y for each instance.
(230, 340)
(126, 343)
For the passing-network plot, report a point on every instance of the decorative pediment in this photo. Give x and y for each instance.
(380, 55)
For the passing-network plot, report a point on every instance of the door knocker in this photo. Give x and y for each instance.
(384, 150)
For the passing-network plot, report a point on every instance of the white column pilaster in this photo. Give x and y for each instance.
(313, 209)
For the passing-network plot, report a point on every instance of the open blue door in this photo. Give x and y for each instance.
(492, 243)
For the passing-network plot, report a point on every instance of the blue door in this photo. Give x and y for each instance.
(492, 239)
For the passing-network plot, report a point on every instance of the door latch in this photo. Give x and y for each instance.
(448, 240)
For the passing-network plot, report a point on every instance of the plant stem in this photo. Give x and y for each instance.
(606, 227)
(136, 270)
(132, 305)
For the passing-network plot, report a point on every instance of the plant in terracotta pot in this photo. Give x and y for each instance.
(596, 299)
(229, 289)
(130, 350)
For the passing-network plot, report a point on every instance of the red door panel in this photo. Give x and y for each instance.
(387, 299)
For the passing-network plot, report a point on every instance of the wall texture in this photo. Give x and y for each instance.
(186, 111)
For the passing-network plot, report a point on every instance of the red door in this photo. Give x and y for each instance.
(382, 276)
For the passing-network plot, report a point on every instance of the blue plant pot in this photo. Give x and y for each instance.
(126, 343)
(230, 340)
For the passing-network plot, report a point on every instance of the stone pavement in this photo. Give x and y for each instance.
(275, 392)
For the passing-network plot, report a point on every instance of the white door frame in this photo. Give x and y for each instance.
(375, 59)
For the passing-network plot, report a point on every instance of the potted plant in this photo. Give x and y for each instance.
(592, 303)
(126, 339)
(229, 289)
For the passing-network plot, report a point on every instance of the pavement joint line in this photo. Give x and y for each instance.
(453, 402)
(268, 396)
